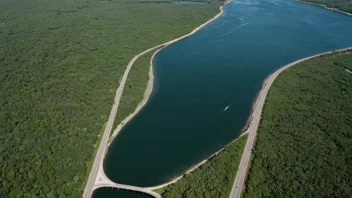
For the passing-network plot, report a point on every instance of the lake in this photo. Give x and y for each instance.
(205, 85)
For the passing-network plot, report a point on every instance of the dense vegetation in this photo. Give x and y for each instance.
(304, 143)
(344, 61)
(343, 5)
(212, 179)
(61, 62)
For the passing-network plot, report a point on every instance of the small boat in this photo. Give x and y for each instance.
(226, 108)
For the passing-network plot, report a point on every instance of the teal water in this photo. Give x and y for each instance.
(118, 193)
(224, 64)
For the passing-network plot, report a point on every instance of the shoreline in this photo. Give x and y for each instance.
(145, 99)
(254, 104)
(325, 6)
(194, 167)
(150, 84)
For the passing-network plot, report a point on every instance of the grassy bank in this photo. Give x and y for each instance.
(212, 179)
(304, 143)
(342, 5)
(61, 62)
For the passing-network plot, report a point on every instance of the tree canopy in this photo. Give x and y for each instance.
(61, 62)
(343, 5)
(304, 143)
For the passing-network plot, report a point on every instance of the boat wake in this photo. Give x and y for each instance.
(233, 30)
(241, 19)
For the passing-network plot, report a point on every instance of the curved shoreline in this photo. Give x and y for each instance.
(145, 99)
(150, 84)
(254, 125)
(194, 167)
(325, 6)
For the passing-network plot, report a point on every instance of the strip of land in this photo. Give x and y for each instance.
(99, 157)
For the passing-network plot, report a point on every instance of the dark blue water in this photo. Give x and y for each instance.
(118, 193)
(224, 64)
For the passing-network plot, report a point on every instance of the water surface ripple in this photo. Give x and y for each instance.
(222, 65)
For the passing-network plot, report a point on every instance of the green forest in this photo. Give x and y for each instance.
(344, 61)
(343, 5)
(304, 143)
(61, 62)
(212, 179)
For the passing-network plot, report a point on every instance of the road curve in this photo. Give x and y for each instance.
(237, 187)
(99, 157)
(132, 188)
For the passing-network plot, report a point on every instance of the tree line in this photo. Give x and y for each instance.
(61, 62)
(343, 5)
(304, 143)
